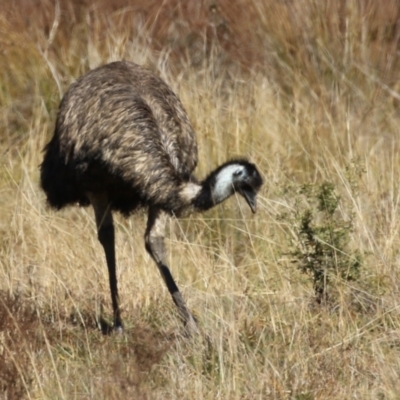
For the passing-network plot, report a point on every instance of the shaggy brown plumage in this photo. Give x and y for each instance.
(120, 127)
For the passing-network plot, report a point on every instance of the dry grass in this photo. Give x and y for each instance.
(309, 91)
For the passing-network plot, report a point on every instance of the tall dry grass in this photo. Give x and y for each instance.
(309, 91)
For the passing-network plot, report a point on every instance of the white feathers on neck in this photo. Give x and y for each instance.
(190, 191)
(223, 182)
(221, 186)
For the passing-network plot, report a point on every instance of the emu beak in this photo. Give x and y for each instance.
(250, 197)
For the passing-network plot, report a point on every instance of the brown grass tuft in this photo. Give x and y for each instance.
(19, 327)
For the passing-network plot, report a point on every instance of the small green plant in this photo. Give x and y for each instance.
(320, 239)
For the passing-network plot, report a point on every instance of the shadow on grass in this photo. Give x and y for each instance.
(34, 347)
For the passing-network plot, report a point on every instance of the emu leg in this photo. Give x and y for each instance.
(155, 246)
(106, 236)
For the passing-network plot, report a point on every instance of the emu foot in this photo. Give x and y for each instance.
(118, 329)
(108, 329)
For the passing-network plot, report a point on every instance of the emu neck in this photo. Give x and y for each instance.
(216, 188)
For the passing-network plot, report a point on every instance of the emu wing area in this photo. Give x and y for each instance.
(122, 130)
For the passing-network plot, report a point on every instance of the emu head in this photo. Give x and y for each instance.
(236, 176)
(246, 180)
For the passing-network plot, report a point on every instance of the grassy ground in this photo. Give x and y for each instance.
(308, 91)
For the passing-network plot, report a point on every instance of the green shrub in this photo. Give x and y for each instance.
(320, 238)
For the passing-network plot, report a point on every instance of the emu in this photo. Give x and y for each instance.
(123, 141)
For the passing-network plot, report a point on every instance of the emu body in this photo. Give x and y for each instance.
(123, 140)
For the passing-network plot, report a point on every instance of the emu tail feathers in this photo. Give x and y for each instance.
(57, 180)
